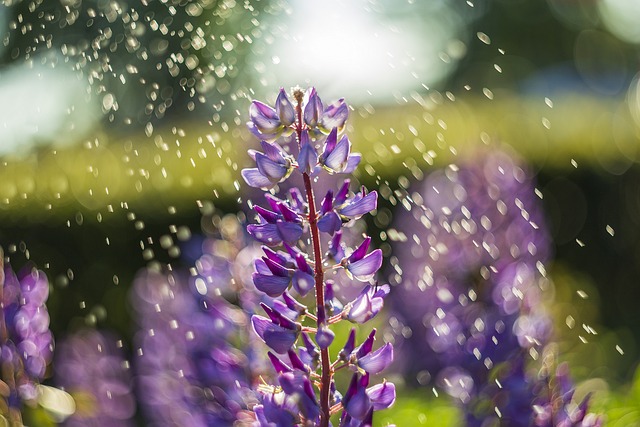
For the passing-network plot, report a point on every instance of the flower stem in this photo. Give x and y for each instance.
(325, 381)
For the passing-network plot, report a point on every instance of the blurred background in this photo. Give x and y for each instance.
(122, 130)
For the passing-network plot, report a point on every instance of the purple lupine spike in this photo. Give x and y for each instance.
(284, 109)
(26, 343)
(311, 387)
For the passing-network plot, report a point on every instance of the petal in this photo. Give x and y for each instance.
(278, 364)
(264, 117)
(284, 109)
(324, 337)
(356, 401)
(272, 170)
(265, 233)
(352, 163)
(313, 108)
(341, 195)
(273, 151)
(273, 286)
(327, 203)
(254, 178)
(377, 361)
(361, 251)
(308, 158)
(330, 223)
(278, 338)
(267, 215)
(277, 269)
(336, 161)
(382, 395)
(360, 205)
(303, 282)
(289, 231)
(330, 143)
(335, 115)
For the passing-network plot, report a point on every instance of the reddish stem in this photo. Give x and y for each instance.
(325, 380)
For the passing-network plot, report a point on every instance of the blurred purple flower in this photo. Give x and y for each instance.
(90, 365)
(471, 263)
(26, 343)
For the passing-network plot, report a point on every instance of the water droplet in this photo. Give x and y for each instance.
(484, 38)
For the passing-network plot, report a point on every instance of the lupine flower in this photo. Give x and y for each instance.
(554, 404)
(300, 265)
(189, 369)
(91, 367)
(472, 277)
(26, 343)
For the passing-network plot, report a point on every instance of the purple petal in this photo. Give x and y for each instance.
(361, 251)
(366, 268)
(335, 115)
(382, 395)
(327, 203)
(278, 338)
(360, 205)
(296, 362)
(313, 108)
(342, 193)
(254, 178)
(336, 161)
(352, 163)
(267, 215)
(356, 401)
(324, 337)
(276, 269)
(264, 117)
(302, 264)
(278, 364)
(330, 143)
(303, 282)
(273, 151)
(377, 361)
(349, 345)
(274, 171)
(265, 233)
(308, 158)
(289, 231)
(330, 223)
(288, 214)
(366, 305)
(284, 109)
(273, 286)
